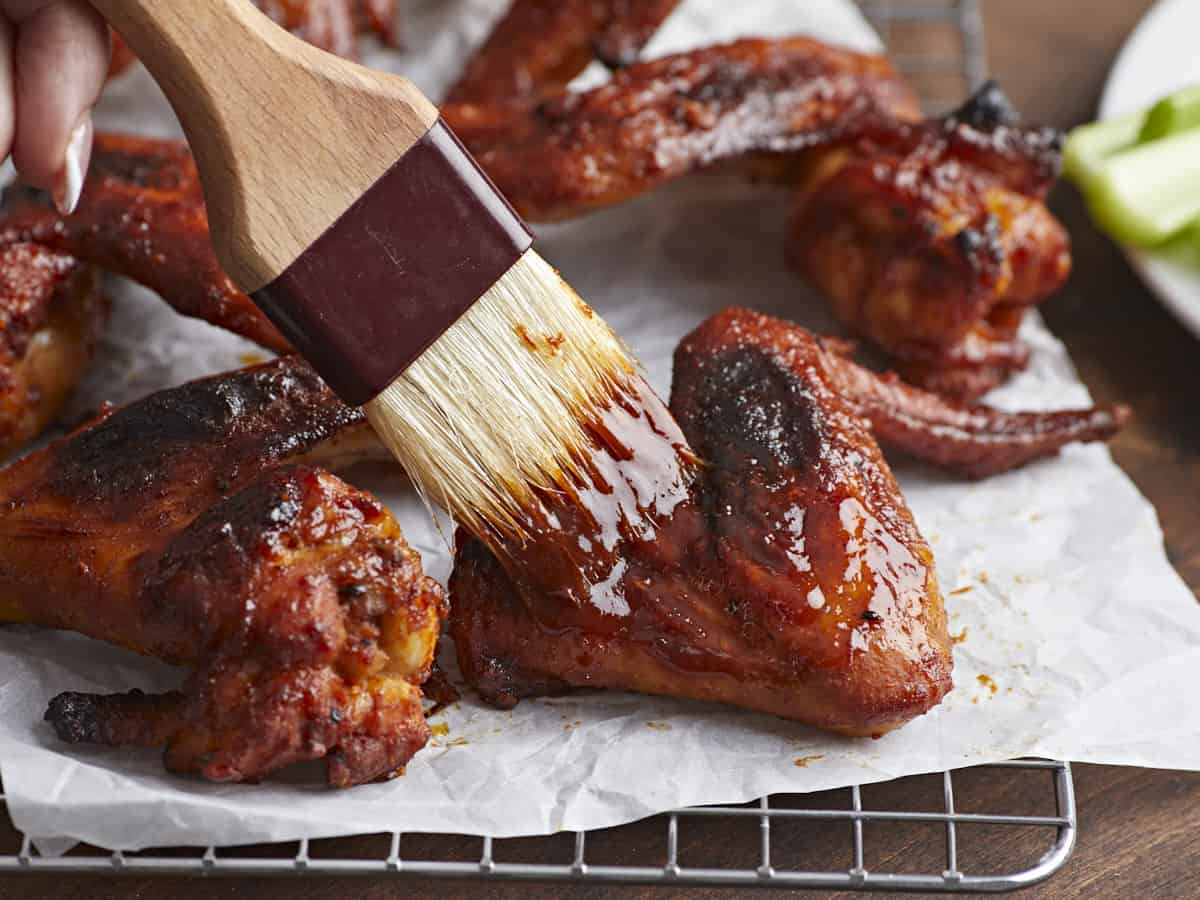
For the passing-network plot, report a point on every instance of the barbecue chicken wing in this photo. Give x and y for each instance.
(332, 25)
(788, 576)
(566, 155)
(142, 215)
(930, 239)
(191, 526)
(540, 45)
(51, 315)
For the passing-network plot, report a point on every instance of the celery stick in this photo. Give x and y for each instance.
(1184, 249)
(1146, 195)
(1171, 115)
(1088, 146)
(1192, 236)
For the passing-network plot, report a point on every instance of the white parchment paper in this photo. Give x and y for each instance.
(1079, 641)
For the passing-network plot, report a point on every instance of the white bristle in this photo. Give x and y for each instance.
(495, 407)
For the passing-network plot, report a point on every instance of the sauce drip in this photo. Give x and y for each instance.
(637, 471)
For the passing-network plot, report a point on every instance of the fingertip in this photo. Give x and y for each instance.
(60, 55)
(68, 184)
(7, 89)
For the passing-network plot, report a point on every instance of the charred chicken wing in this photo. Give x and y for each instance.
(190, 526)
(142, 215)
(932, 240)
(575, 152)
(785, 573)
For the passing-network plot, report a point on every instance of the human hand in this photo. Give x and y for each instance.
(53, 62)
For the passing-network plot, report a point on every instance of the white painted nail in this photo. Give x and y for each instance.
(75, 166)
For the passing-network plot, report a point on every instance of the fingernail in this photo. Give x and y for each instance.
(75, 166)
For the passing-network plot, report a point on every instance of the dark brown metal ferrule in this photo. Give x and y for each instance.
(397, 268)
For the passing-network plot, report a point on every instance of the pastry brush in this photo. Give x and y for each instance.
(341, 202)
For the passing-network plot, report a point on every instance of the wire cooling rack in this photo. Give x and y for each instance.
(773, 864)
(939, 45)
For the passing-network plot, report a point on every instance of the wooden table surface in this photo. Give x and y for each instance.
(1136, 827)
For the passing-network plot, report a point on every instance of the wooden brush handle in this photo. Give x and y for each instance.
(286, 136)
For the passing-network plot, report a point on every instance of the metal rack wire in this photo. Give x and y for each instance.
(943, 70)
(772, 870)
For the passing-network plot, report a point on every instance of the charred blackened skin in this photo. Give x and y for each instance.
(333, 25)
(191, 526)
(788, 578)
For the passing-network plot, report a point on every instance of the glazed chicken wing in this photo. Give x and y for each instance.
(51, 315)
(191, 526)
(142, 215)
(657, 120)
(932, 240)
(538, 46)
(787, 575)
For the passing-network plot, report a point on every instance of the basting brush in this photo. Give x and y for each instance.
(346, 208)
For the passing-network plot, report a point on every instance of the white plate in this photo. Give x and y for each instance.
(1160, 57)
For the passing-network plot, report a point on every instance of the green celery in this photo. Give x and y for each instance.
(1171, 115)
(1088, 146)
(1192, 236)
(1146, 195)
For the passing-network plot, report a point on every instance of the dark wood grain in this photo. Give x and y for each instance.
(1136, 826)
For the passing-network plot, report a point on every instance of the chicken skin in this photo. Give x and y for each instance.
(192, 526)
(560, 156)
(784, 573)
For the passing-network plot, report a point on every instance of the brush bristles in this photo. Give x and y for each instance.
(496, 409)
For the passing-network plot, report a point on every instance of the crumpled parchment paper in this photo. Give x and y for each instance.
(1078, 639)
